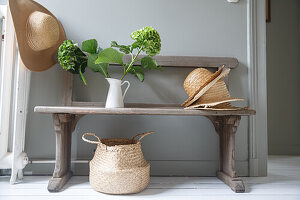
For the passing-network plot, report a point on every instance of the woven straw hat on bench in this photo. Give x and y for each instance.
(118, 166)
(208, 90)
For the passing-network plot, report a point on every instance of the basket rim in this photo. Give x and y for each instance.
(101, 144)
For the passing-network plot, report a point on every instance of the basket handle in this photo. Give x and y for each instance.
(141, 135)
(90, 141)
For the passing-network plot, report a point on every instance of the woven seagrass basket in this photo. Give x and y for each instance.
(118, 166)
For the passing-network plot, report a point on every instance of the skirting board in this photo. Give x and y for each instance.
(158, 168)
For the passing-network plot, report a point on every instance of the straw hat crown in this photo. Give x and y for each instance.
(38, 32)
(196, 79)
(42, 31)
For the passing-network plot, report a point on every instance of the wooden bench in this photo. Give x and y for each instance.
(66, 117)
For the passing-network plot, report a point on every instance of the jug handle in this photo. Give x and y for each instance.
(90, 141)
(126, 88)
(141, 135)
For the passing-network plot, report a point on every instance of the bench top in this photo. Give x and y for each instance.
(139, 109)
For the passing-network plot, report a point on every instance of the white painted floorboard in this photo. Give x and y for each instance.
(283, 182)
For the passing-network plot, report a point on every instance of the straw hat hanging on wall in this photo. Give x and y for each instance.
(208, 90)
(38, 32)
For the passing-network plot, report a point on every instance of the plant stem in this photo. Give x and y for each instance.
(137, 60)
(82, 77)
(131, 64)
(131, 56)
(124, 68)
(105, 74)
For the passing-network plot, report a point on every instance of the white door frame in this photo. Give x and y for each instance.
(15, 80)
(256, 60)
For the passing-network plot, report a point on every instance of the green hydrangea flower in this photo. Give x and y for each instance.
(148, 40)
(70, 56)
(72, 59)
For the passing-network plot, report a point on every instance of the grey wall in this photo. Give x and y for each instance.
(283, 70)
(181, 145)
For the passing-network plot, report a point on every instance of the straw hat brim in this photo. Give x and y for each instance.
(226, 108)
(223, 106)
(33, 60)
(217, 94)
(210, 104)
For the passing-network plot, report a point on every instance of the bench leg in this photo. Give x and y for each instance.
(226, 127)
(64, 125)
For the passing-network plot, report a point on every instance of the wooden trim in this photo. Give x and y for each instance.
(3, 137)
(252, 76)
(190, 61)
(15, 80)
(256, 61)
(22, 88)
(2, 16)
(7, 74)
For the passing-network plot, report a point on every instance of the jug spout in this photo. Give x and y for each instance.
(113, 81)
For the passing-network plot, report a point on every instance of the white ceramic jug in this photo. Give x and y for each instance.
(115, 97)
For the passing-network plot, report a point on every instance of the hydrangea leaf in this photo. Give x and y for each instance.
(138, 71)
(109, 55)
(90, 46)
(123, 48)
(102, 67)
(149, 63)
